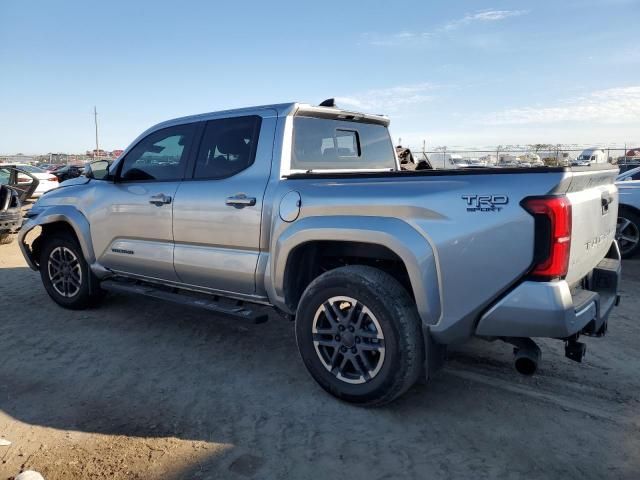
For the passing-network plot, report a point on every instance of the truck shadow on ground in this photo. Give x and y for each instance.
(143, 368)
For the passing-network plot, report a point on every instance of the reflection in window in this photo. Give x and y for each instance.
(323, 144)
(228, 147)
(159, 156)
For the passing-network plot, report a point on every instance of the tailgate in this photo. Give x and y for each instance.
(594, 202)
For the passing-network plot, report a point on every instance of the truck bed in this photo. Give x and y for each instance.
(478, 254)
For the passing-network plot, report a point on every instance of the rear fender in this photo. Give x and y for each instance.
(398, 236)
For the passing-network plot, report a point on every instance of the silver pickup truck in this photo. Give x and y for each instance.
(305, 209)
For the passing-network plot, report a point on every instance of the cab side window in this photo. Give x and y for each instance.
(228, 147)
(161, 156)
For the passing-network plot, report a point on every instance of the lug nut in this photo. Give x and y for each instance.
(337, 338)
(353, 350)
(351, 328)
(343, 349)
(357, 339)
(341, 328)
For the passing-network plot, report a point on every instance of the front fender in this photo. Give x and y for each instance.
(59, 213)
(396, 235)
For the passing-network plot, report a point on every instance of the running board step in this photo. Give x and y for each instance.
(214, 303)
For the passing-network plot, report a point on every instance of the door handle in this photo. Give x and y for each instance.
(160, 199)
(240, 200)
(605, 200)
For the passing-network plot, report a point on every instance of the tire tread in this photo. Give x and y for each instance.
(403, 309)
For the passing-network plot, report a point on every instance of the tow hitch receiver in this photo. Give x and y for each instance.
(575, 350)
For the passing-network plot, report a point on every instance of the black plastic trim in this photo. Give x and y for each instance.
(444, 173)
(425, 173)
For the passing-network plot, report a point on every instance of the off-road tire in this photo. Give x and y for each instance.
(89, 293)
(7, 238)
(397, 315)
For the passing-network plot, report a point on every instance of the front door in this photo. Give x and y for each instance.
(131, 223)
(217, 213)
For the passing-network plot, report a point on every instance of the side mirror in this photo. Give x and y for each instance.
(98, 170)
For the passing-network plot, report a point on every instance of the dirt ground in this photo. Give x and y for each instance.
(139, 389)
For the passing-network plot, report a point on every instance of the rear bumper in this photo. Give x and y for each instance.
(553, 309)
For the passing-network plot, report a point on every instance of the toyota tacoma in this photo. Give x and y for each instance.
(305, 209)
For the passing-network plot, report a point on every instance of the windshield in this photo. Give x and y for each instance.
(326, 144)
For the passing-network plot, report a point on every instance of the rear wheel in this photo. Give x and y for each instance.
(359, 335)
(628, 233)
(65, 273)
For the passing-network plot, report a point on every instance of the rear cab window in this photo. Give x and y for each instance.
(331, 144)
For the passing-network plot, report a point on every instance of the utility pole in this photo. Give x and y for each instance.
(95, 119)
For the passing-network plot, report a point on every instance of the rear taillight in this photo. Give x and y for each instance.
(553, 236)
(52, 178)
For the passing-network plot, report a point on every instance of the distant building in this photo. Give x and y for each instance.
(17, 158)
(634, 152)
(97, 153)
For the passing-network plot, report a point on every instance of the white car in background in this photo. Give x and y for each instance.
(48, 181)
(628, 226)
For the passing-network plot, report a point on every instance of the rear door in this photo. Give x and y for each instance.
(131, 219)
(217, 213)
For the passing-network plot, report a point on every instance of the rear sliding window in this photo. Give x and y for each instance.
(322, 144)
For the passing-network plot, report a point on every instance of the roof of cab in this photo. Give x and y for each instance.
(282, 109)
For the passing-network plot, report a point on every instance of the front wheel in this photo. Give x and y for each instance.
(359, 335)
(65, 273)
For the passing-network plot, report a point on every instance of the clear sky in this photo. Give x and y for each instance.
(458, 73)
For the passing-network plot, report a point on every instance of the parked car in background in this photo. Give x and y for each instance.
(305, 209)
(477, 162)
(47, 167)
(12, 196)
(68, 171)
(590, 156)
(19, 180)
(10, 214)
(46, 181)
(442, 160)
(626, 163)
(628, 226)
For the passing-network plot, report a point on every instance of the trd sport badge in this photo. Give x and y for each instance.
(485, 203)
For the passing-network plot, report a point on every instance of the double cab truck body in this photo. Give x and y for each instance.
(305, 209)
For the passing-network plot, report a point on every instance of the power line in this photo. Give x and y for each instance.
(95, 119)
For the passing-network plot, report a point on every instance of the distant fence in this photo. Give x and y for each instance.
(445, 157)
(68, 159)
(441, 157)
